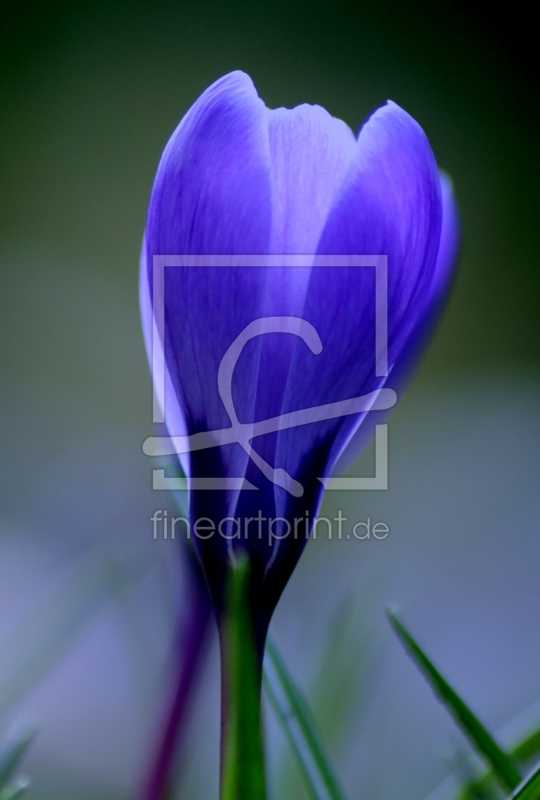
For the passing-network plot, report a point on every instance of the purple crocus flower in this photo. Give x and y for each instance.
(237, 179)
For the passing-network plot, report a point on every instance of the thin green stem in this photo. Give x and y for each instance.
(242, 752)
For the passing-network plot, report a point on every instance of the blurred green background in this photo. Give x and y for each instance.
(89, 95)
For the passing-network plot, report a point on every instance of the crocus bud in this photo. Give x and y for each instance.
(274, 339)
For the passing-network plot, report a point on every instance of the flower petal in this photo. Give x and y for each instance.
(212, 195)
(440, 286)
(212, 189)
(310, 154)
(449, 243)
(389, 204)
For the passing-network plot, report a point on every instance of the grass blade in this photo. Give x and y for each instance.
(502, 764)
(523, 735)
(300, 728)
(11, 755)
(337, 692)
(522, 751)
(529, 789)
(527, 747)
(15, 790)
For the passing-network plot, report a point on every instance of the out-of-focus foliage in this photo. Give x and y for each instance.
(13, 785)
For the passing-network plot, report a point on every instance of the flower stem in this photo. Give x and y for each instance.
(242, 752)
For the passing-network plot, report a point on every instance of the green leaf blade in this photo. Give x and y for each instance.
(502, 764)
(523, 735)
(15, 790)
(529, 789)
(12, 754)
(300, 729)
(527, 747)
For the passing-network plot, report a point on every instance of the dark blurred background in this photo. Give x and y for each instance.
(89, 94)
